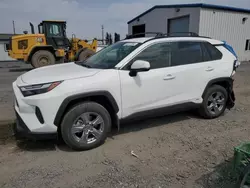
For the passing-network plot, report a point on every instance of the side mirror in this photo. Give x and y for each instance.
(139, 66)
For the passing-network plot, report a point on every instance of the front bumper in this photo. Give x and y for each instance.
(34, 121)
(21, 131)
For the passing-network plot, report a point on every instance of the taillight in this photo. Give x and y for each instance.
(235, 66)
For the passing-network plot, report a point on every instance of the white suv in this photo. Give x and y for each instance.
(136, 77)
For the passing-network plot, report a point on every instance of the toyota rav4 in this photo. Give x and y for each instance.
(136, 77)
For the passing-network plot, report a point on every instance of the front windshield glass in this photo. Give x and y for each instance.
(110, 56)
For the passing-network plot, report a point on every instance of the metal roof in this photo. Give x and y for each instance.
(5, 36)
(199, 5)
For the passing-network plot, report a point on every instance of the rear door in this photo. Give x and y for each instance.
(189, 70)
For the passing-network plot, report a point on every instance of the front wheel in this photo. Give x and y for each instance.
(42, 58)
(214, 102)
(86, 126)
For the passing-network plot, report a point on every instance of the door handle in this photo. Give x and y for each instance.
(210, 69)
(169, 77)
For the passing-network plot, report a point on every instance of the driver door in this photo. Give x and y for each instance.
(148, 90)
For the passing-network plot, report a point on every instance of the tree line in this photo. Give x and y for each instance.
(109, 39)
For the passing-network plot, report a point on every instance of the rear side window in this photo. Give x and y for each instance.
(186, 52)
(213, 52)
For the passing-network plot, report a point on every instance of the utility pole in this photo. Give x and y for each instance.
(14, 29)
(102, 34)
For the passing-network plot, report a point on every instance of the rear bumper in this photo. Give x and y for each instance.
(21, 131)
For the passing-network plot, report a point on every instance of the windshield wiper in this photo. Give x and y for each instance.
(85, 65)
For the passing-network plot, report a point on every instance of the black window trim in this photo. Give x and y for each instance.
(202, 45)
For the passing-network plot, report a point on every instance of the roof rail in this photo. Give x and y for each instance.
(165, 35)
(181, 34)
(157, 34)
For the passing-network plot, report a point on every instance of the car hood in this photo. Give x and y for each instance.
(58, 72)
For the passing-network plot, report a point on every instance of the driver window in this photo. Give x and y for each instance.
(158, 55)
(54, 30)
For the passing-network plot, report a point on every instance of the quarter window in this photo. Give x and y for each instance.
(158, 55)
(186, 52)
(214, 53)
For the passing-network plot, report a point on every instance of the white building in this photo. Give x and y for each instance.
(4, 41)
(224, 23)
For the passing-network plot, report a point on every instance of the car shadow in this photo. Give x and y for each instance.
(146, 123)
(222, 176)
(37, 146)
(132, 126)
(20, 70)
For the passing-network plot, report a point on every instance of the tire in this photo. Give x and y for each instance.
(216, 108)
(85, 54)
(42, 58)
(78, 133)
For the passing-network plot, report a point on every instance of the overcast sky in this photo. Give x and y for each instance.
(85, 17)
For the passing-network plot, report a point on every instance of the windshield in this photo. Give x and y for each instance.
(110, 56)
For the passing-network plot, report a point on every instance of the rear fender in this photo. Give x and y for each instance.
(227, 83)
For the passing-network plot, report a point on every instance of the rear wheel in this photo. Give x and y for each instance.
(85, 126)
(42, 58)
(214, 102)
(85, 54)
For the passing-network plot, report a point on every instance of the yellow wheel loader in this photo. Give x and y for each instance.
(50, 45)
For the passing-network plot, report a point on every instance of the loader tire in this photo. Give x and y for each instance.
(85, 54)
(42, 58)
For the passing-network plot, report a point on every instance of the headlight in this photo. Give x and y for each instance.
(38, 89)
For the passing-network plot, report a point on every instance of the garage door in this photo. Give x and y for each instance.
(138, 29)
(178, 24)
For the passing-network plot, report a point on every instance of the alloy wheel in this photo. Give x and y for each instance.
(216, 102)
(88, 127)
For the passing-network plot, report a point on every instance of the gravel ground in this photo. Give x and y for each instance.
(180, 150)
(9, 71)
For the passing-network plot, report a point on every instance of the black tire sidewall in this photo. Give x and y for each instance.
(38, 54)
(73, 114)
(203, 110)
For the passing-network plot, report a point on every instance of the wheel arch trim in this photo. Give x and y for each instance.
(66, 102)
(229, 80)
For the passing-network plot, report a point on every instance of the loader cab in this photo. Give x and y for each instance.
(55, 33)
